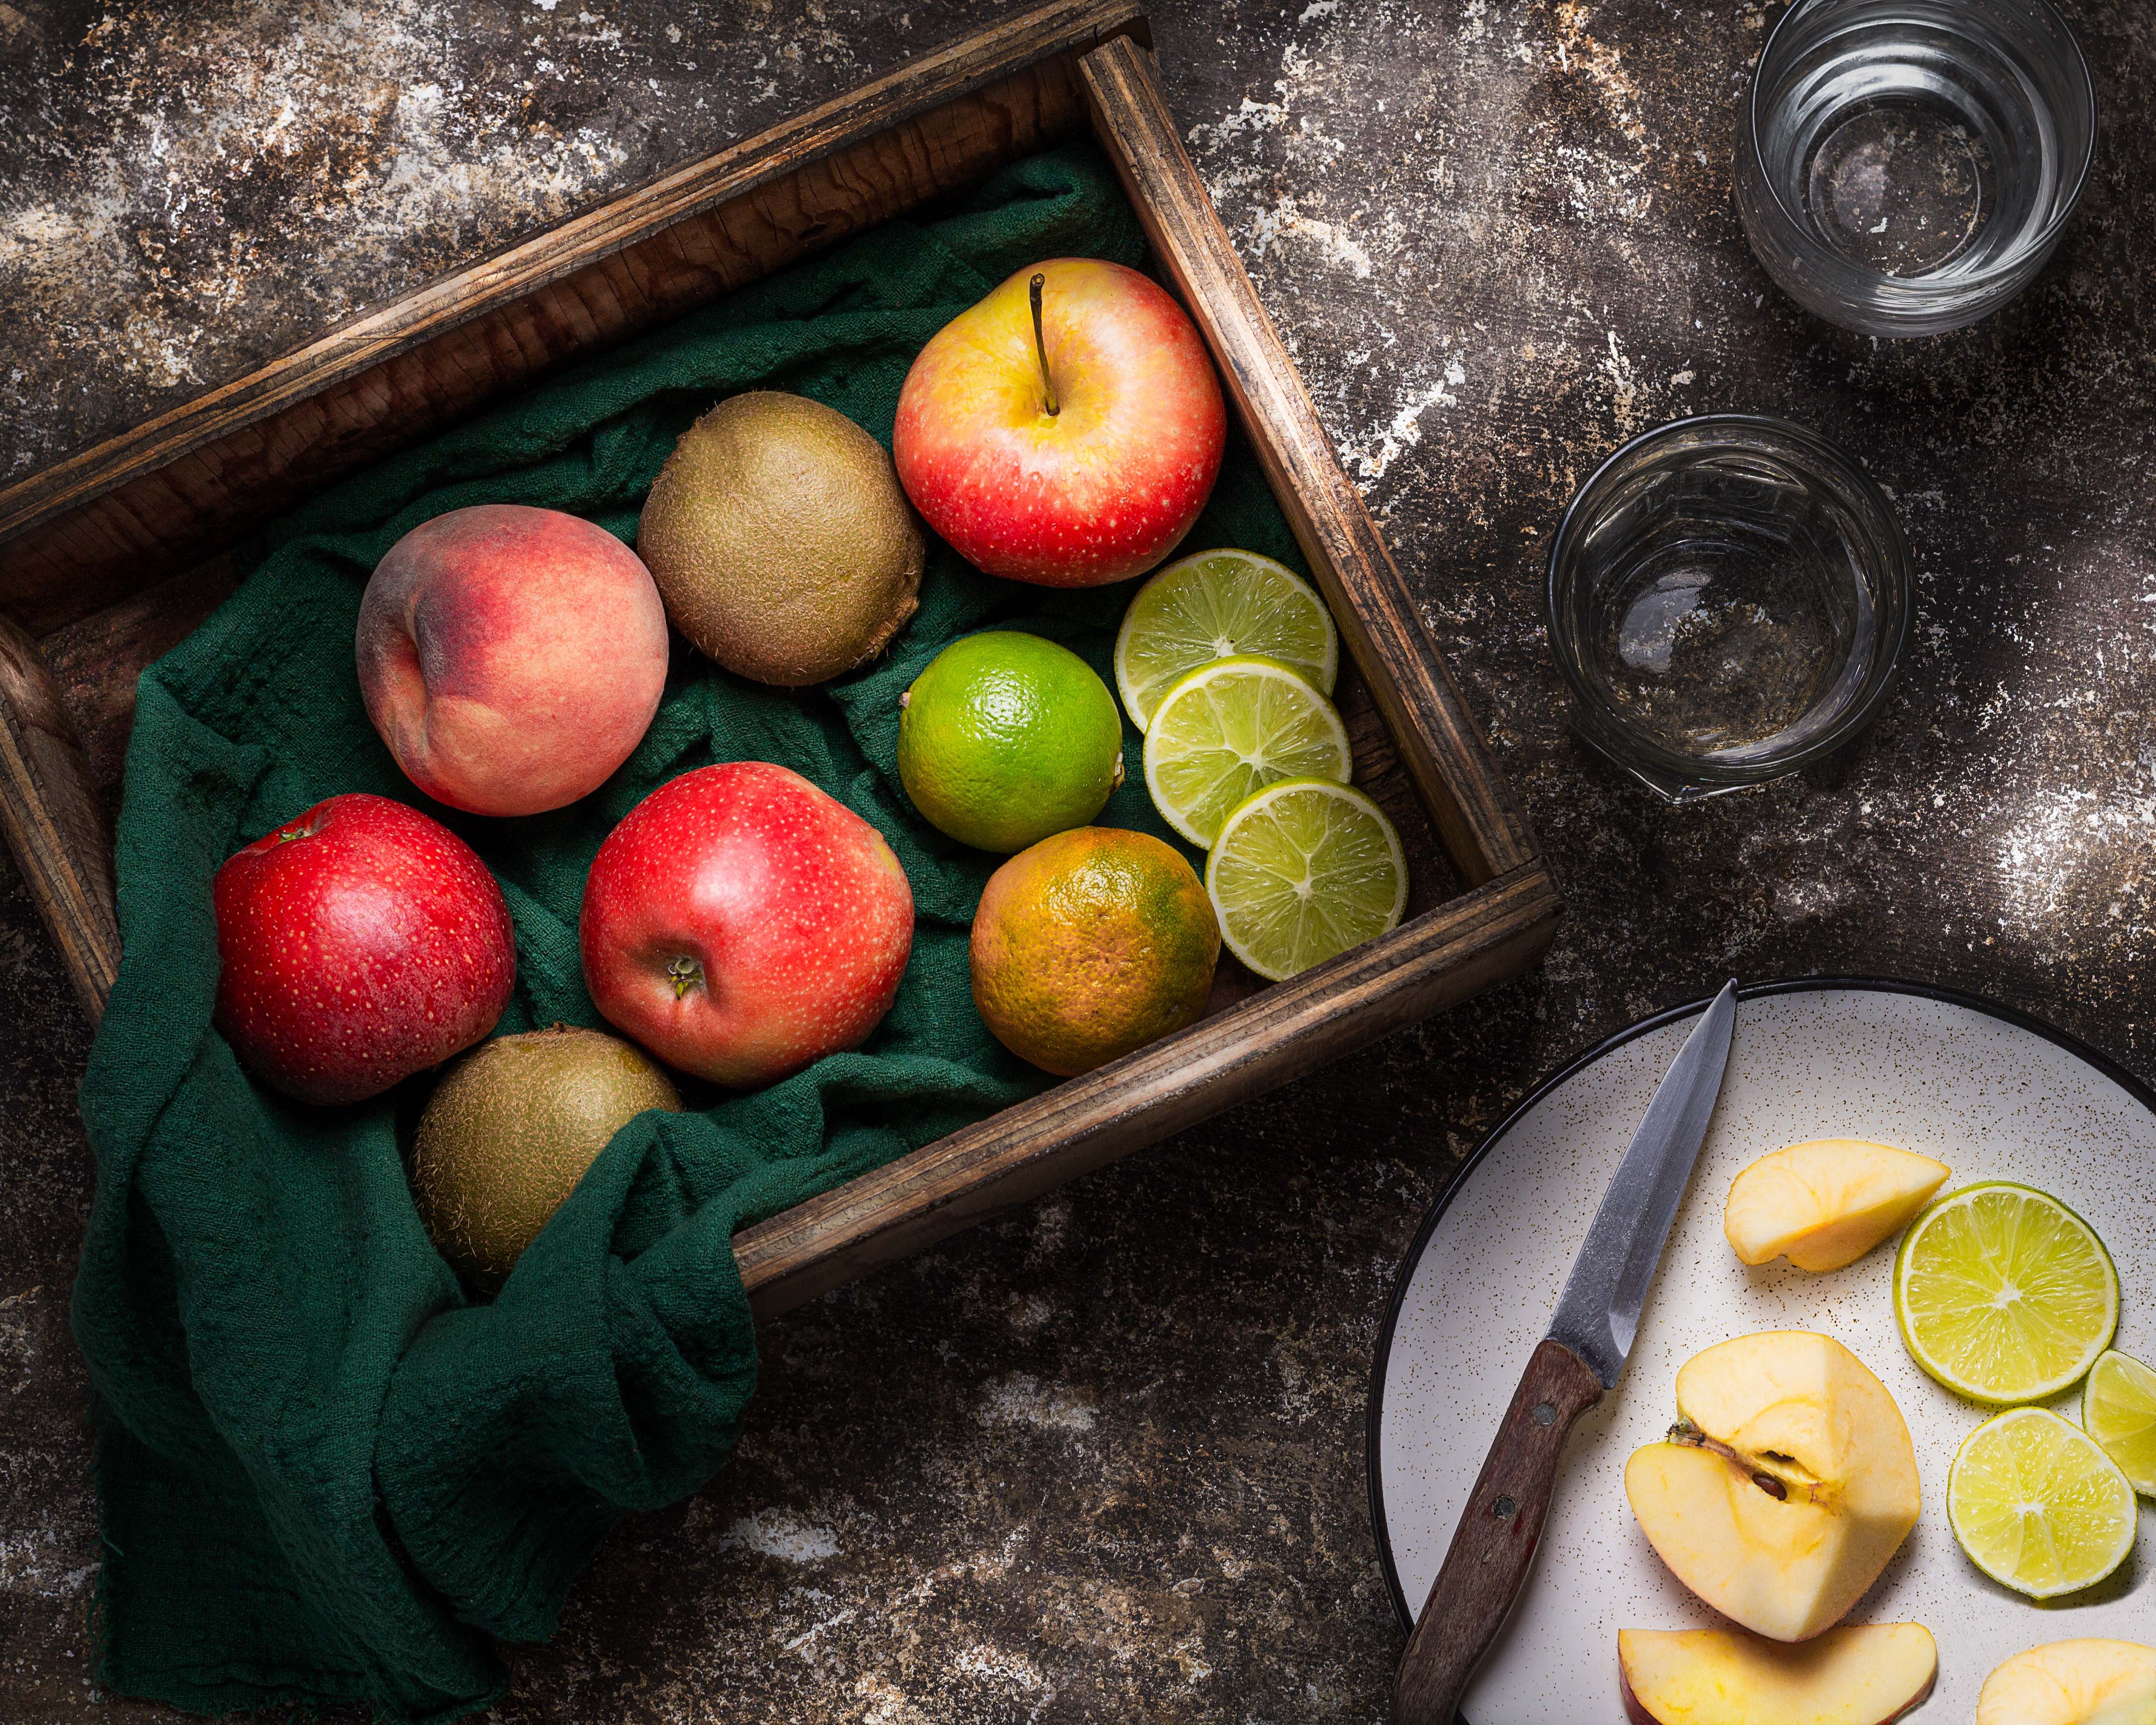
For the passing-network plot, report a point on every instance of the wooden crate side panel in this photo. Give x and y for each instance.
(53, 822)
(99, 526)
(1289, 1030)
(1482, 827)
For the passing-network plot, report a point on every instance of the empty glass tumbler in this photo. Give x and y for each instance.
(1905, 166)
(1728, 598)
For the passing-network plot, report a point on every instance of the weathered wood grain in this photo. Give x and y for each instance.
(136, 508)
(1482, 824)
(1493, 1547)
(50, 815)
(96, 659)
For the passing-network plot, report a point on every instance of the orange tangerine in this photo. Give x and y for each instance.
(1092, 943)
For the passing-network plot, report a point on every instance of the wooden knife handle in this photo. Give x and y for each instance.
(1494, 1546)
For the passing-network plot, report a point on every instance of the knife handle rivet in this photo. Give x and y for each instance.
(1545, 1414)
(1503, 1508)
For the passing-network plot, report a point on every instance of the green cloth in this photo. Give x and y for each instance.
(326, 1474)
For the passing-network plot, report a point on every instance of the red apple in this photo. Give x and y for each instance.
(362, 943)
(740, 924)
(1086, 474)
(512, 658)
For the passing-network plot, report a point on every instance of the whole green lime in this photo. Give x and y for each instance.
(1006, 738)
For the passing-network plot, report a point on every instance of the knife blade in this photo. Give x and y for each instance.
(1581, 1356)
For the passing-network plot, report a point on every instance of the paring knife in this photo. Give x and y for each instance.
(1597, 1315)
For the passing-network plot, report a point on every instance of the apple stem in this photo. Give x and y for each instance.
(1040, 345)
(1685, 1432)
(684, 973)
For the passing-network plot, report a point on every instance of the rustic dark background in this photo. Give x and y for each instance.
(1103, 1460)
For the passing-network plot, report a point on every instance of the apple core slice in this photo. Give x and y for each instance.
(1866, 1674)
(2079, 1682)
(1785, 1485)
(1826, 1203)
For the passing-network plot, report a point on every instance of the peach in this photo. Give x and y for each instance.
(512, 658)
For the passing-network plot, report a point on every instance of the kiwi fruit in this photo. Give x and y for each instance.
(780, 540)
(510, 1132)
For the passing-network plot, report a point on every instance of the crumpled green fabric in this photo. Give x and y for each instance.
(325, 1475)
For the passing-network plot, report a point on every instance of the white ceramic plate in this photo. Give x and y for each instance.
(1988, 1092)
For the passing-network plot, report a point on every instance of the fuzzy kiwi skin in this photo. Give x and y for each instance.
(510, 1132)
(780, 540)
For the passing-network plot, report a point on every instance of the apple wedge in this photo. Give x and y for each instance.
(1827, 1203)
(1866, 1674)
(1786, 1484)
(2084, 1682)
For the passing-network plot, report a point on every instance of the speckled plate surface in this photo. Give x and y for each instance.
(1990, 1092)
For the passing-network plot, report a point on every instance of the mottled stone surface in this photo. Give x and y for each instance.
(1103, 1460)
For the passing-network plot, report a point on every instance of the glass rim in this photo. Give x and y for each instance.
(1920, 287)
(1609, 732)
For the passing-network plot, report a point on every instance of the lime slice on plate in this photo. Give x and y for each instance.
(2038, 1505)
(1232, 727)
(1217, 605)
(2118, 1410)
(2003, 1294)
(1302, 871)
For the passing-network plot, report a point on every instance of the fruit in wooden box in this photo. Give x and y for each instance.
(742, 924)
(780, 540)
(361, 943)
(1066, 430)
(1092, 943)
(512, 658)
(510, 1132)
(1006, 738)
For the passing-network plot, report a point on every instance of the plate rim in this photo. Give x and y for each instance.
(2139, 1089)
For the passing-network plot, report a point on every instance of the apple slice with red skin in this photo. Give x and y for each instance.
(740, 924)
(1864, 1674)
(1067, 430)
(361, 943)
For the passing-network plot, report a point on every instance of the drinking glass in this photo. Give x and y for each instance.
(1905, 166)
(1728, 598)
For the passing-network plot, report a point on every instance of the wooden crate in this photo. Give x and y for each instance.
(109, 557)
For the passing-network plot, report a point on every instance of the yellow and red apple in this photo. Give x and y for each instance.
(1787, 1483)
(511, 657)
(1826, 1203)
(1066, 430)
(1868, 1674)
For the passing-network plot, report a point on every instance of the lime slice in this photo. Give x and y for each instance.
(2003, 1294)
(1302, 871)
(1232, 727)
(2038, 1505)
(1219, 604)
(2118, 1410)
